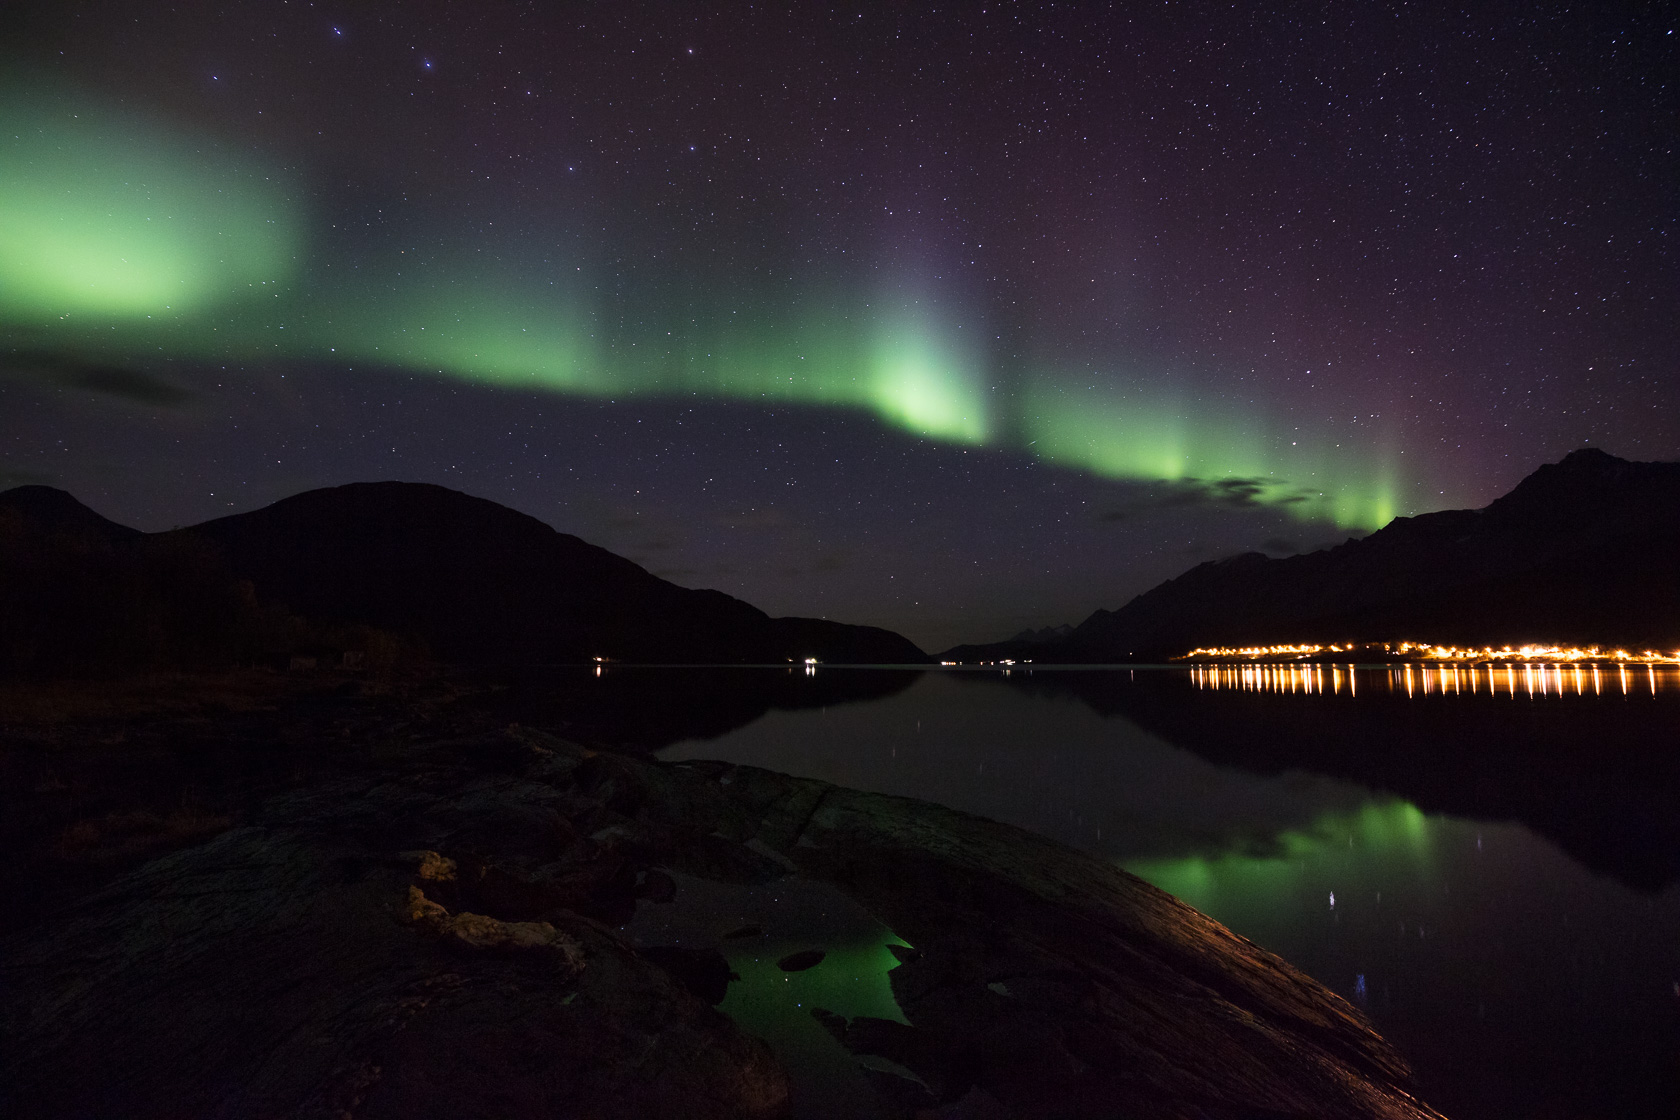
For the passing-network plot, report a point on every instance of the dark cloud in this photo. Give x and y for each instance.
(1197, 493)
(11, 478)
(132, 385)
(1285, 547)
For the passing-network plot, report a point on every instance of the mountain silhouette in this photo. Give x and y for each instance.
(469, 579)
(41, 513)
(1586, 550)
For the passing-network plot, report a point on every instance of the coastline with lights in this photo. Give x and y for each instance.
(1574, 564)
(1430, 651)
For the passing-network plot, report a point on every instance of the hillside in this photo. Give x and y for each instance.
(1584, 550)
(481, 582)
(467, 579)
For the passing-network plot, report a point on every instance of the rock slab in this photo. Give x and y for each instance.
(438, 934)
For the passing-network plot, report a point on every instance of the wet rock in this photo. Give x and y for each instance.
(800, 961)
(904, 953)
(832, 1023)
(246, 977)
(480, 972)
(910, 1048)
(656, 886)
(704, 972)
(1122, 997)
(901, 1097)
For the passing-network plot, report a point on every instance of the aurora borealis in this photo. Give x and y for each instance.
(1186, 280)
(120, 232)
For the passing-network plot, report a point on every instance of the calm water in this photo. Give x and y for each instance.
(1491, 870)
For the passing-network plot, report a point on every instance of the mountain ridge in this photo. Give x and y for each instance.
(467, 578)
(1582, 550)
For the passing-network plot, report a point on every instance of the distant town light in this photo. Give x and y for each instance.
(1430, 651)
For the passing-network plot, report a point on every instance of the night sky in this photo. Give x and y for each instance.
(955, 321)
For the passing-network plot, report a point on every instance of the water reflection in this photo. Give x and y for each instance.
(1517, 979)
(771, 921)
(1589, 769)
(1393, 832)
(1517, 984)
(1530, 679)
(642, 708)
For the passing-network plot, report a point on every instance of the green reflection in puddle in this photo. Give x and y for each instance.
(1391, 836)
(792, 915)
(851, 981)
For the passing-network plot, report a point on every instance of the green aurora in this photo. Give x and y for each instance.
(109, 217)
(123, 239)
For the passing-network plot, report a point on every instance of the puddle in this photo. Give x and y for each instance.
(772, 922)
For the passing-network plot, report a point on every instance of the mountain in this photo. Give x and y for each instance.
(80, 593)
(1044, 634)
(481, 582)
(1586, 550)
(43, 513)
(471, 580)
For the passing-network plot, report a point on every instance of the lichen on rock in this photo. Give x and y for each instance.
(480, 931)
(438, 868)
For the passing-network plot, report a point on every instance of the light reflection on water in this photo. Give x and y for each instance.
(1395, 832)
(1516, 980)
(779, 919)
(1530, 679)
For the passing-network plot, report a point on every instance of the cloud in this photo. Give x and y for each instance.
(1197, 493)
(107, 380)
(10, 478)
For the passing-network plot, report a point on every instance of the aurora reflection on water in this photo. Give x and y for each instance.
(1506, 969)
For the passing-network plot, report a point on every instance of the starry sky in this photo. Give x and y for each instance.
(956, 321)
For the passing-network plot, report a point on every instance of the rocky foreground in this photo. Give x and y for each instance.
(456, 929)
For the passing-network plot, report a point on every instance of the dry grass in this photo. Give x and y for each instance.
(49, 703)
(120, 837)
(152, 694)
